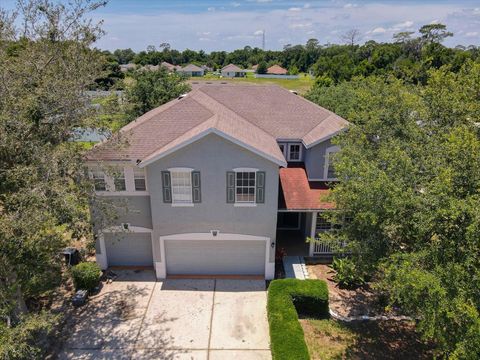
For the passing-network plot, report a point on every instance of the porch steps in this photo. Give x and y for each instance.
(295, 267)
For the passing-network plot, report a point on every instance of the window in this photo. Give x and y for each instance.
(99, 182)
(181, 187)
(139, 180)
(294, 152)
(282, 149)
(330, 163)
(245, 187)
(119, 181)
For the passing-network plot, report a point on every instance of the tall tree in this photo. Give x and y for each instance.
(45, 65)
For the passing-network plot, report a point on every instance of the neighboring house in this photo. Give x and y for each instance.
(127, 67)
(276, 70)
(191, 70)
(212, 183)
(254, 67)
(232, 71)
(170, 67)
(206, 68)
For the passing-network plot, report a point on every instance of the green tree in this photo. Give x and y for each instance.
(434, 33)
(45, 68)
(410, 180)
(150, 89)
(262, 68)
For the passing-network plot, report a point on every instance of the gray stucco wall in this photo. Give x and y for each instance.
(314, 159)
(213, 157)
(114, 210)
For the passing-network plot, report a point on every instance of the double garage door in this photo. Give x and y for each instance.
(215, 257)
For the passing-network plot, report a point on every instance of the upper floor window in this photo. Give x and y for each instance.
(139, 180)
(99, 182)
(245, 187)
(119, 181)
(294, 152)
(329, 171)
(181, 186)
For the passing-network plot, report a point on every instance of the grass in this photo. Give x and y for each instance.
(287, 298)
(301, 85)
(387, 340)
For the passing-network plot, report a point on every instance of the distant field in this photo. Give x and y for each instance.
(301, 85)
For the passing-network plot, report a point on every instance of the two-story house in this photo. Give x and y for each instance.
(212, 182)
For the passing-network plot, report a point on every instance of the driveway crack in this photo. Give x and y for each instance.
(211, 318)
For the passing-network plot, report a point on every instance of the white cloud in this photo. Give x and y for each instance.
(310, 32)
(295, 9)
(350, 5)
(258, 32)
(472, 33)
(378, 30)
(307, 6)
(235, 4)
(404, 25)
(300, 26)
(211, 8)
(204, 39)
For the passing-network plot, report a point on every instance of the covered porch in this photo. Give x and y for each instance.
(302, 205)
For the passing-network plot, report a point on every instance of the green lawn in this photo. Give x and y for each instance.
(301, 85)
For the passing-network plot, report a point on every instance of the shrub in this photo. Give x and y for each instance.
(348, 275)
(287, 298)
(86, 275)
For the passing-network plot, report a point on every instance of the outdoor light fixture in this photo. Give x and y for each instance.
(272, 244)
(214, 232)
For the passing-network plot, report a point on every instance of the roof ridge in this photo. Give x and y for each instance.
(235, 113)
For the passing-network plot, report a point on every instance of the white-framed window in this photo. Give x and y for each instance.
(294, 152)
(139, 180)
(181, 186)
(99, 181)
(119, 180)
(245, 186)
(329, 171)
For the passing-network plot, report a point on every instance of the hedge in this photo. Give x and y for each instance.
(287, 298)
(86, 275)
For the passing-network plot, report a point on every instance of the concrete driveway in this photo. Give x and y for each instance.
(136, 317)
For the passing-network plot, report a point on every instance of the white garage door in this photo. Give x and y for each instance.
(215, 257)
(129, 249)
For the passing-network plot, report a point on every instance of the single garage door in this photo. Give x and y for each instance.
(215, 257)
(129, 249)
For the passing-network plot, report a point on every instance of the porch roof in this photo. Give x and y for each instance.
(300, 194)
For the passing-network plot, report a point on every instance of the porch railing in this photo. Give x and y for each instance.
(323, 247)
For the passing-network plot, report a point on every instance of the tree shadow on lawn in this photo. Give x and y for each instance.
(387, 340)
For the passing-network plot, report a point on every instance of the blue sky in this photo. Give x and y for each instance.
(227, 25)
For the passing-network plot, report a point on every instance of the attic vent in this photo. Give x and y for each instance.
(294, 92)
(181, 96)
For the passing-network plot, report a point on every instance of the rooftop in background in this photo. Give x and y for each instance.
(276, 70)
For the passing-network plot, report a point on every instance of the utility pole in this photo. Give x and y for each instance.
(263, 40)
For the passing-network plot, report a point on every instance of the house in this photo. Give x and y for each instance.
(254, 67)
(276, 70)
(169, 67)
(127, 67)
(212, 183)
(232, 71)
(191, 70)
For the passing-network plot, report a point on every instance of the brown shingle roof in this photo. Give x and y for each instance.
(191, 67)
(276, 70)
(253, 116)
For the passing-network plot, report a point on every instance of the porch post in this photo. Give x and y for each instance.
(312, 232)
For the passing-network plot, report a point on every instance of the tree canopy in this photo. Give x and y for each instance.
(410, 183)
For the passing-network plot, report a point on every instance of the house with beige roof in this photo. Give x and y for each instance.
(232, 71)
(215, 182)
(191, 70)
(277, 70)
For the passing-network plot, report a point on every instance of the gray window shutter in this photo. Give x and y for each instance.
(260, 185)
(230, 187)
(167, 187)
(196, 191)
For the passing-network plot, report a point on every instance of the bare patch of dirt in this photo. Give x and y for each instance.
(345, 302)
